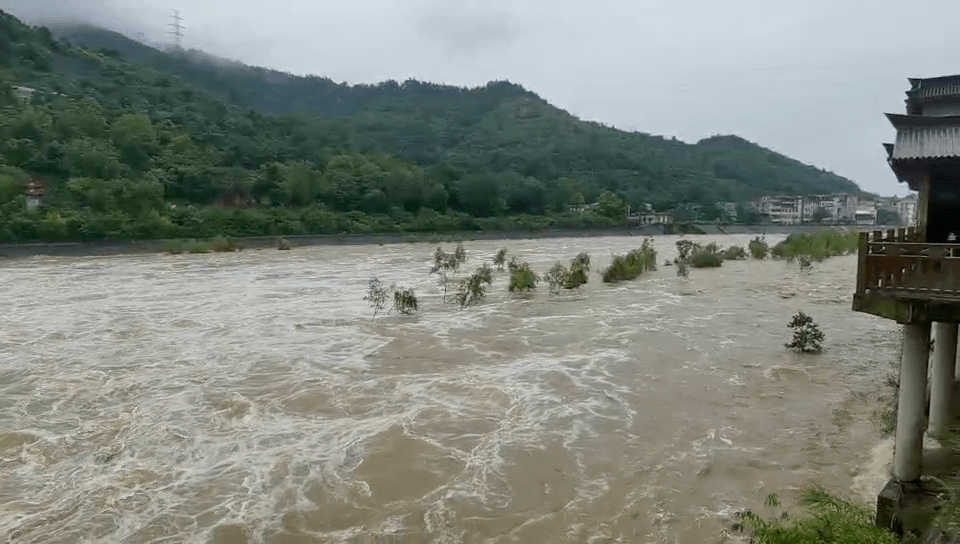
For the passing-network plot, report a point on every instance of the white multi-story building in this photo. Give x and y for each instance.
(907, 208)
(866, 214)
(838, 207)
(783, 210)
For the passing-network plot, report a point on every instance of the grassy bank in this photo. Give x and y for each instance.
(817, 246)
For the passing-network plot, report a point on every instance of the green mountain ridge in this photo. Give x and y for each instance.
(187, 131)
(279, 92)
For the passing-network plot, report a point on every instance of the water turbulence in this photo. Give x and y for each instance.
(250, 398)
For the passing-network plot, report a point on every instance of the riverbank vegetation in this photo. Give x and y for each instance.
(183, 148)
(816, 246)
(823, 518)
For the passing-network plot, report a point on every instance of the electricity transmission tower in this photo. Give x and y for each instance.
(176, 30)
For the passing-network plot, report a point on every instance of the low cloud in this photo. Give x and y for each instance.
(468, 32)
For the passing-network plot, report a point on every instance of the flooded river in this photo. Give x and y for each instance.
(248, 397)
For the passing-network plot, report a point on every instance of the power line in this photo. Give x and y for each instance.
(176, 30)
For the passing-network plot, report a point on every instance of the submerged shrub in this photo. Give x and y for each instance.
(683, 270)
(500, 259)
(734, 253)
(472, 290)
(708, 256)
(758, 248)
(698, 256)
(807, 337)
(556, 277)
(405, 302)
(629, 266)
(446, 265)
(283, 244)
(579, 271)
(522, 278)
(559, 277)
(376, 295)
(685, 248)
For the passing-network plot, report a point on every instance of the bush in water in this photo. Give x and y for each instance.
(472, 290)
(758, 248)
(446, 265)
(734, 253)
(405, 302)
(522, 277)
(376, 295)
(500, 259)
(631, 265)
(560, 278)
(807, 337)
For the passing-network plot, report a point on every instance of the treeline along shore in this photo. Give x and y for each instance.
(130, 247)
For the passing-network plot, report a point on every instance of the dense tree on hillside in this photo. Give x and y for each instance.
(135, 142)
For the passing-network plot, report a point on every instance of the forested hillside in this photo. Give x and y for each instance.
(135, 142)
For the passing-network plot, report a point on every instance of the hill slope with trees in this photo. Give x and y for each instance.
(134, 142)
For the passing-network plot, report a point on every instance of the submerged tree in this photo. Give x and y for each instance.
(472, 290)
(758, 248)
(405, 301)
(631, 265)
(734, 253)
(522, 277)
(807, 337)
(559, 277)
(376, 295)
(500, 259)
(446, 265)
(700, 256)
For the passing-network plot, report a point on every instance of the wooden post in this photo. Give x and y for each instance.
(862, 263)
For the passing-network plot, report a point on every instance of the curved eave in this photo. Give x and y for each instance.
(900, 120)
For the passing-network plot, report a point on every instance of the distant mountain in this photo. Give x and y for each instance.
(137, 142)
(498, 127)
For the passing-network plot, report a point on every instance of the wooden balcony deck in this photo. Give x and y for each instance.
(900, 277)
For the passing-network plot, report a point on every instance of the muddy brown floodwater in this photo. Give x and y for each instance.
(248, 397)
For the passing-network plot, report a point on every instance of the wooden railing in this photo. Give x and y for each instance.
(898, 263)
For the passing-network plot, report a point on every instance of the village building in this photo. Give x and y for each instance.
(781, 210)
(24, 93)
(34, 191)
(907, 209)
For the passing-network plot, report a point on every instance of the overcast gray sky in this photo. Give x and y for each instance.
(810, 78)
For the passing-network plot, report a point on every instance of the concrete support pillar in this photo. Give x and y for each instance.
(911, 421)
(941, 378)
